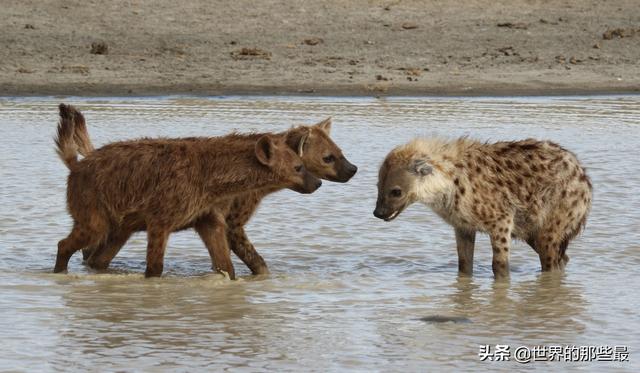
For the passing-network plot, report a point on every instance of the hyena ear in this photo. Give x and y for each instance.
(302, 143)
(421, 167)
(325, 125)
(265, 149)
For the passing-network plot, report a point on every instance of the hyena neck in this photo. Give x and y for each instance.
(441, 202)
(237, 171)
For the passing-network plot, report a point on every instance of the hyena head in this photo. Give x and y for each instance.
(320, 155)
(406, 177)
(273, 152)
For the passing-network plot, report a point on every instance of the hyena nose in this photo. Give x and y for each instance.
(378, 214)
(318, 184)
(353, 169)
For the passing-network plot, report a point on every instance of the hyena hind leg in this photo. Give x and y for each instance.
(103, 254)
(81, 236)
(551, 254)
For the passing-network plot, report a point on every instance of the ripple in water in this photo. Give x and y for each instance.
(348, 291)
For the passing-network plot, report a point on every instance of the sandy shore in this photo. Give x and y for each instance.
(158, 47)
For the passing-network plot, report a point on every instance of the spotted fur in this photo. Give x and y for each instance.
(533, 190)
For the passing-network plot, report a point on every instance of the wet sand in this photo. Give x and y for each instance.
(160, 47)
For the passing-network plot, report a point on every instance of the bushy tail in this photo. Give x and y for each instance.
(72, 137)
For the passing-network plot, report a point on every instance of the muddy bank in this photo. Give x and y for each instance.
(335, 47)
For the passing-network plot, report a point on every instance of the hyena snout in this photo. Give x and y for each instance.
(309, 184)
(385, 212)
(346, 172)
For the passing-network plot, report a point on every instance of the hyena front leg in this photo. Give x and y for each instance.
(465, 242)
(238, 215)
(156, 244)
(501, 243)
(86, 253)
(212, 231)
(243, 248)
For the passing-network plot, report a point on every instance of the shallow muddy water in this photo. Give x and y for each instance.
(347, 291)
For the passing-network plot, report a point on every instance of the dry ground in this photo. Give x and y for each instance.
(321, 47)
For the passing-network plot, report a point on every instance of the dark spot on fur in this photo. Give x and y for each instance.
(456, 181)
(530, 146)
(508, 163)
(462, 190)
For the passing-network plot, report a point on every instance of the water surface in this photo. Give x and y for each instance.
(347, 291)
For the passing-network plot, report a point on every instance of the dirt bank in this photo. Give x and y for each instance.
(141, 47)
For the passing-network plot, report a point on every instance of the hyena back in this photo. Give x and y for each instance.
(533, 190)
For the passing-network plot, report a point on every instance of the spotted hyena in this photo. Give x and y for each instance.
(164, 185)
(319, 154)
(533, 190)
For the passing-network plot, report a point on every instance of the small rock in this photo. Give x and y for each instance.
(232, 42)
(250, 53)
(596, 46)
(508, 51)
(99, 47)
(29, 26)
(313, 41)
(380, 77)
(413, 71)
(518, 25)
(75, 69)
(409, 26)
(353, 62)
(619, 33)
(369, 42)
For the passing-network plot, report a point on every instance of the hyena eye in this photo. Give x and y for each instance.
(329, 159)
(396, 192)
(298, 168)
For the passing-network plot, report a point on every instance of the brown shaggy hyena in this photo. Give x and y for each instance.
(532, 190)
(162, 185)
(320, 156)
